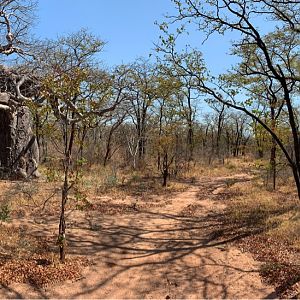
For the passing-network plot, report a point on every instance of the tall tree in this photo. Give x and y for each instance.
(76, 91)
(143, 93)
(275, 59)
(184, 87)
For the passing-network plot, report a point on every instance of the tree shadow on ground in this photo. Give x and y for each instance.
(158, 254)
(184, 255)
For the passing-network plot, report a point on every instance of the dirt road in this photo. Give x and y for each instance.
(168, 251)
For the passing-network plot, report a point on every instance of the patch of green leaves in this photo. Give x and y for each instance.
(5, 212)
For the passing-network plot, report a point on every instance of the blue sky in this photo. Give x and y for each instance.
(126, 25)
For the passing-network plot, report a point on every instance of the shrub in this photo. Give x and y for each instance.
(5, 212)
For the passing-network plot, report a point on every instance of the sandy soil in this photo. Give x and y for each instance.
(168, 251)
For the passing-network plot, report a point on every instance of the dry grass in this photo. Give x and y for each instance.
(263, 222)
(276, 213)
(30, 198)
(15, 242)
(251, 208)
(33, 259)
(120, 183)
(273, 220)
(229, 167)
(286, 227)
(95, 184)
(30, 259)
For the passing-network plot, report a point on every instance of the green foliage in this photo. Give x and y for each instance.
(111, 180)
(81, 162)
(82, 202)
(230, 166)
(230, 181)
(52, 175)
(135, 177)
(5, 211)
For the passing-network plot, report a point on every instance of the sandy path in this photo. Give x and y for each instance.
(158, 253)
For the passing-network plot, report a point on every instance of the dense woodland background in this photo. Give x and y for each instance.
(160, 116)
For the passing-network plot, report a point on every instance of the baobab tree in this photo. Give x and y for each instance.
(19, 155)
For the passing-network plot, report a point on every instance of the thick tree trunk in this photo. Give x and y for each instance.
(6, 138)
(19, 152)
